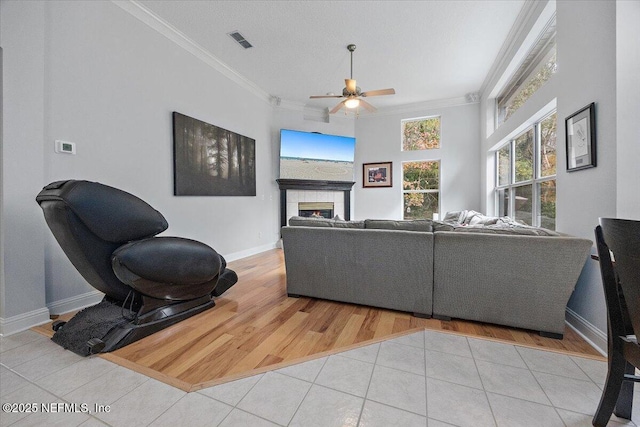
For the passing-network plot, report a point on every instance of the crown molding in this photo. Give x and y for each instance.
(529, 11)
(426, 105)
(146, 16)
(317, 113)
(286, 104)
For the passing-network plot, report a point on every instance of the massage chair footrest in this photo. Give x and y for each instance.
(106, 327)
(168, 268)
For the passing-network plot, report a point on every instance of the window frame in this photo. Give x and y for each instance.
(438, 191)
(530, 74)
(510, 187)
(537, 57)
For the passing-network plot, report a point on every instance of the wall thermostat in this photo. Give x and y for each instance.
(65, 147)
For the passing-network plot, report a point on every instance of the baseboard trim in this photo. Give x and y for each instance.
(592, 335)
(22, 322)
(77, 302)
(247, 253)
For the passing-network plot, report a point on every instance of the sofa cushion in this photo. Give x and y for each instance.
(348, 224)
(300, 221)
(387, 224)
(442, 226)
(520, 230)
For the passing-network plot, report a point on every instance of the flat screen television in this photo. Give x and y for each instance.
(316, 156)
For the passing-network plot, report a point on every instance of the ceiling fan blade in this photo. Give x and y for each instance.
(337, 107)
(350, 84)
(367, 106)
(379, 92)
(325, 96)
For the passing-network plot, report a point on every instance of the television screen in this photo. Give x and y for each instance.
(316, 156)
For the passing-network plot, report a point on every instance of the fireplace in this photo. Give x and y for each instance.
(315, 209)
(338, 193)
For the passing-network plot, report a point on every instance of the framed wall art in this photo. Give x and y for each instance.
(211, 161)
(377, 175)
(580, 129)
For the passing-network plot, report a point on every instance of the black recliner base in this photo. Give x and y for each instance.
(227, 279)
(106, 326)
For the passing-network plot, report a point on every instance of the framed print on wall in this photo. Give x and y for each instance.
(211, 161)
(580, 130)
(376, 175)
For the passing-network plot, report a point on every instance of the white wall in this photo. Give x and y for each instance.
(90, 73)
(23, 43)
(628, 108)
(379, 140)
(587, 72)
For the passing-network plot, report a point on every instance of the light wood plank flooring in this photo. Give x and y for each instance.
(255, 327)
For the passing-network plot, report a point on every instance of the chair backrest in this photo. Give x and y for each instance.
(90, 221)
(619, 322)
(622, 237)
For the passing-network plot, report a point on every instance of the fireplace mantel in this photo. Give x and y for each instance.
(306, 184)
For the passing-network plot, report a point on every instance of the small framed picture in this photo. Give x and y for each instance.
(376, 175)
(580, 129)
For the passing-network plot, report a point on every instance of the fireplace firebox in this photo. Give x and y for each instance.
(315, 209)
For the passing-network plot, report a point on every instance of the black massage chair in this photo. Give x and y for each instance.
(149, 282)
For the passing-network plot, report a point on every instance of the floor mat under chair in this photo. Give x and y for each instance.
(92, 322)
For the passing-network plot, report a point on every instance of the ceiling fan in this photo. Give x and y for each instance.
(352, 93)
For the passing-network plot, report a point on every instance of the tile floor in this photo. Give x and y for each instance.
(424, 379)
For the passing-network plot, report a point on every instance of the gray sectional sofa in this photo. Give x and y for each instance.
(507, 274)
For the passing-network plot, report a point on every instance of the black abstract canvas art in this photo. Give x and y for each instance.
(211, 161)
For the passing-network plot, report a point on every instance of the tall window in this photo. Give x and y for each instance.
(526, 175)
(421, 189)
(533, 73)
(421, 134)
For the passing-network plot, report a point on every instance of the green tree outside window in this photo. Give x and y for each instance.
(422, 134)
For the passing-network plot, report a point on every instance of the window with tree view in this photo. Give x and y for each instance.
(421, 189)
(526, 175)
(421, 134)
(537, 68)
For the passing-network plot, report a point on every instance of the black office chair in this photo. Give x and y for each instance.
(149, 282)
(621, 281)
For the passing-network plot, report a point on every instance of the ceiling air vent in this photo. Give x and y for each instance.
(240, 39)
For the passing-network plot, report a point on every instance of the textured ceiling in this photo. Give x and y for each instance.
(426, 50)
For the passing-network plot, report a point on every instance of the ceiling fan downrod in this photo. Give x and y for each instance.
(351, 48)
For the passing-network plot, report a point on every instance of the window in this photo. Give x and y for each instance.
(421, 189)
(421, 134)
(535, 71)
(526, 175)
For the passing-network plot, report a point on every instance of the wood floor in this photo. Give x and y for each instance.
(255, 327)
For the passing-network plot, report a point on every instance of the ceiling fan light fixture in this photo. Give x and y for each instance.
(352, 93)
(352, 103)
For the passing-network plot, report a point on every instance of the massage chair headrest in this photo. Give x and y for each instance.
(111, 214)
